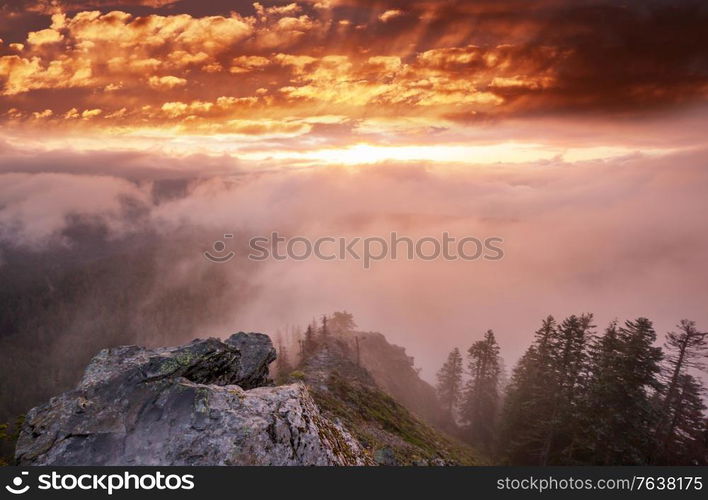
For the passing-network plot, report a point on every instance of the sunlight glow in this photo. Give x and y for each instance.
(509, 152)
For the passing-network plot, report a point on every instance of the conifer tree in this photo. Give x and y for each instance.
(450, 381)
(341, 322)
(604, 392)
(283, 366)
(527, 400)
(685, 349)
(309, 343)
(618, 414)
(568, 364)
(481, 398)
(297, 342)
(324, 331)
(542, 396)
(686, 444)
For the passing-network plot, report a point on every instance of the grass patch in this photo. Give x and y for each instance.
(9, 433)
(366, 411)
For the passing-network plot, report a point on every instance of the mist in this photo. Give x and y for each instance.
(98, 254)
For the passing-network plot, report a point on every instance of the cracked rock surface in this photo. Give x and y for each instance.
(205, 403)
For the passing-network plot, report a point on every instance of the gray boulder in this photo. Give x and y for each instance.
(205, 403)
(242, 360)
(253, 371)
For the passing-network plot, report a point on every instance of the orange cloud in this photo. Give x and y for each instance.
(245, 64)
(422, 60)
(44, 36)
(390, 14)
(166, 82)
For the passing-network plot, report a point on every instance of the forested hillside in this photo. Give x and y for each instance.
(582, 397)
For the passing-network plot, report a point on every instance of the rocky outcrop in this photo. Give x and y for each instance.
(241, 360)
(205, 403)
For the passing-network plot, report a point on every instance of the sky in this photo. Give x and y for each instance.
(574, 130)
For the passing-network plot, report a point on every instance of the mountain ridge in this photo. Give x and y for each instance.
(212, 402)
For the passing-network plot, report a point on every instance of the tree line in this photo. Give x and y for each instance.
(295, 346)
(579, 397)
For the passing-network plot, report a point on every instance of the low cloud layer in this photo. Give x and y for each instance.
(621, 238)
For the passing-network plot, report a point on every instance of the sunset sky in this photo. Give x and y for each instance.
(575, 130)
(349, 80)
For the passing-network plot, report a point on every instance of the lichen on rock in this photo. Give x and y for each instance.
(205, 403)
